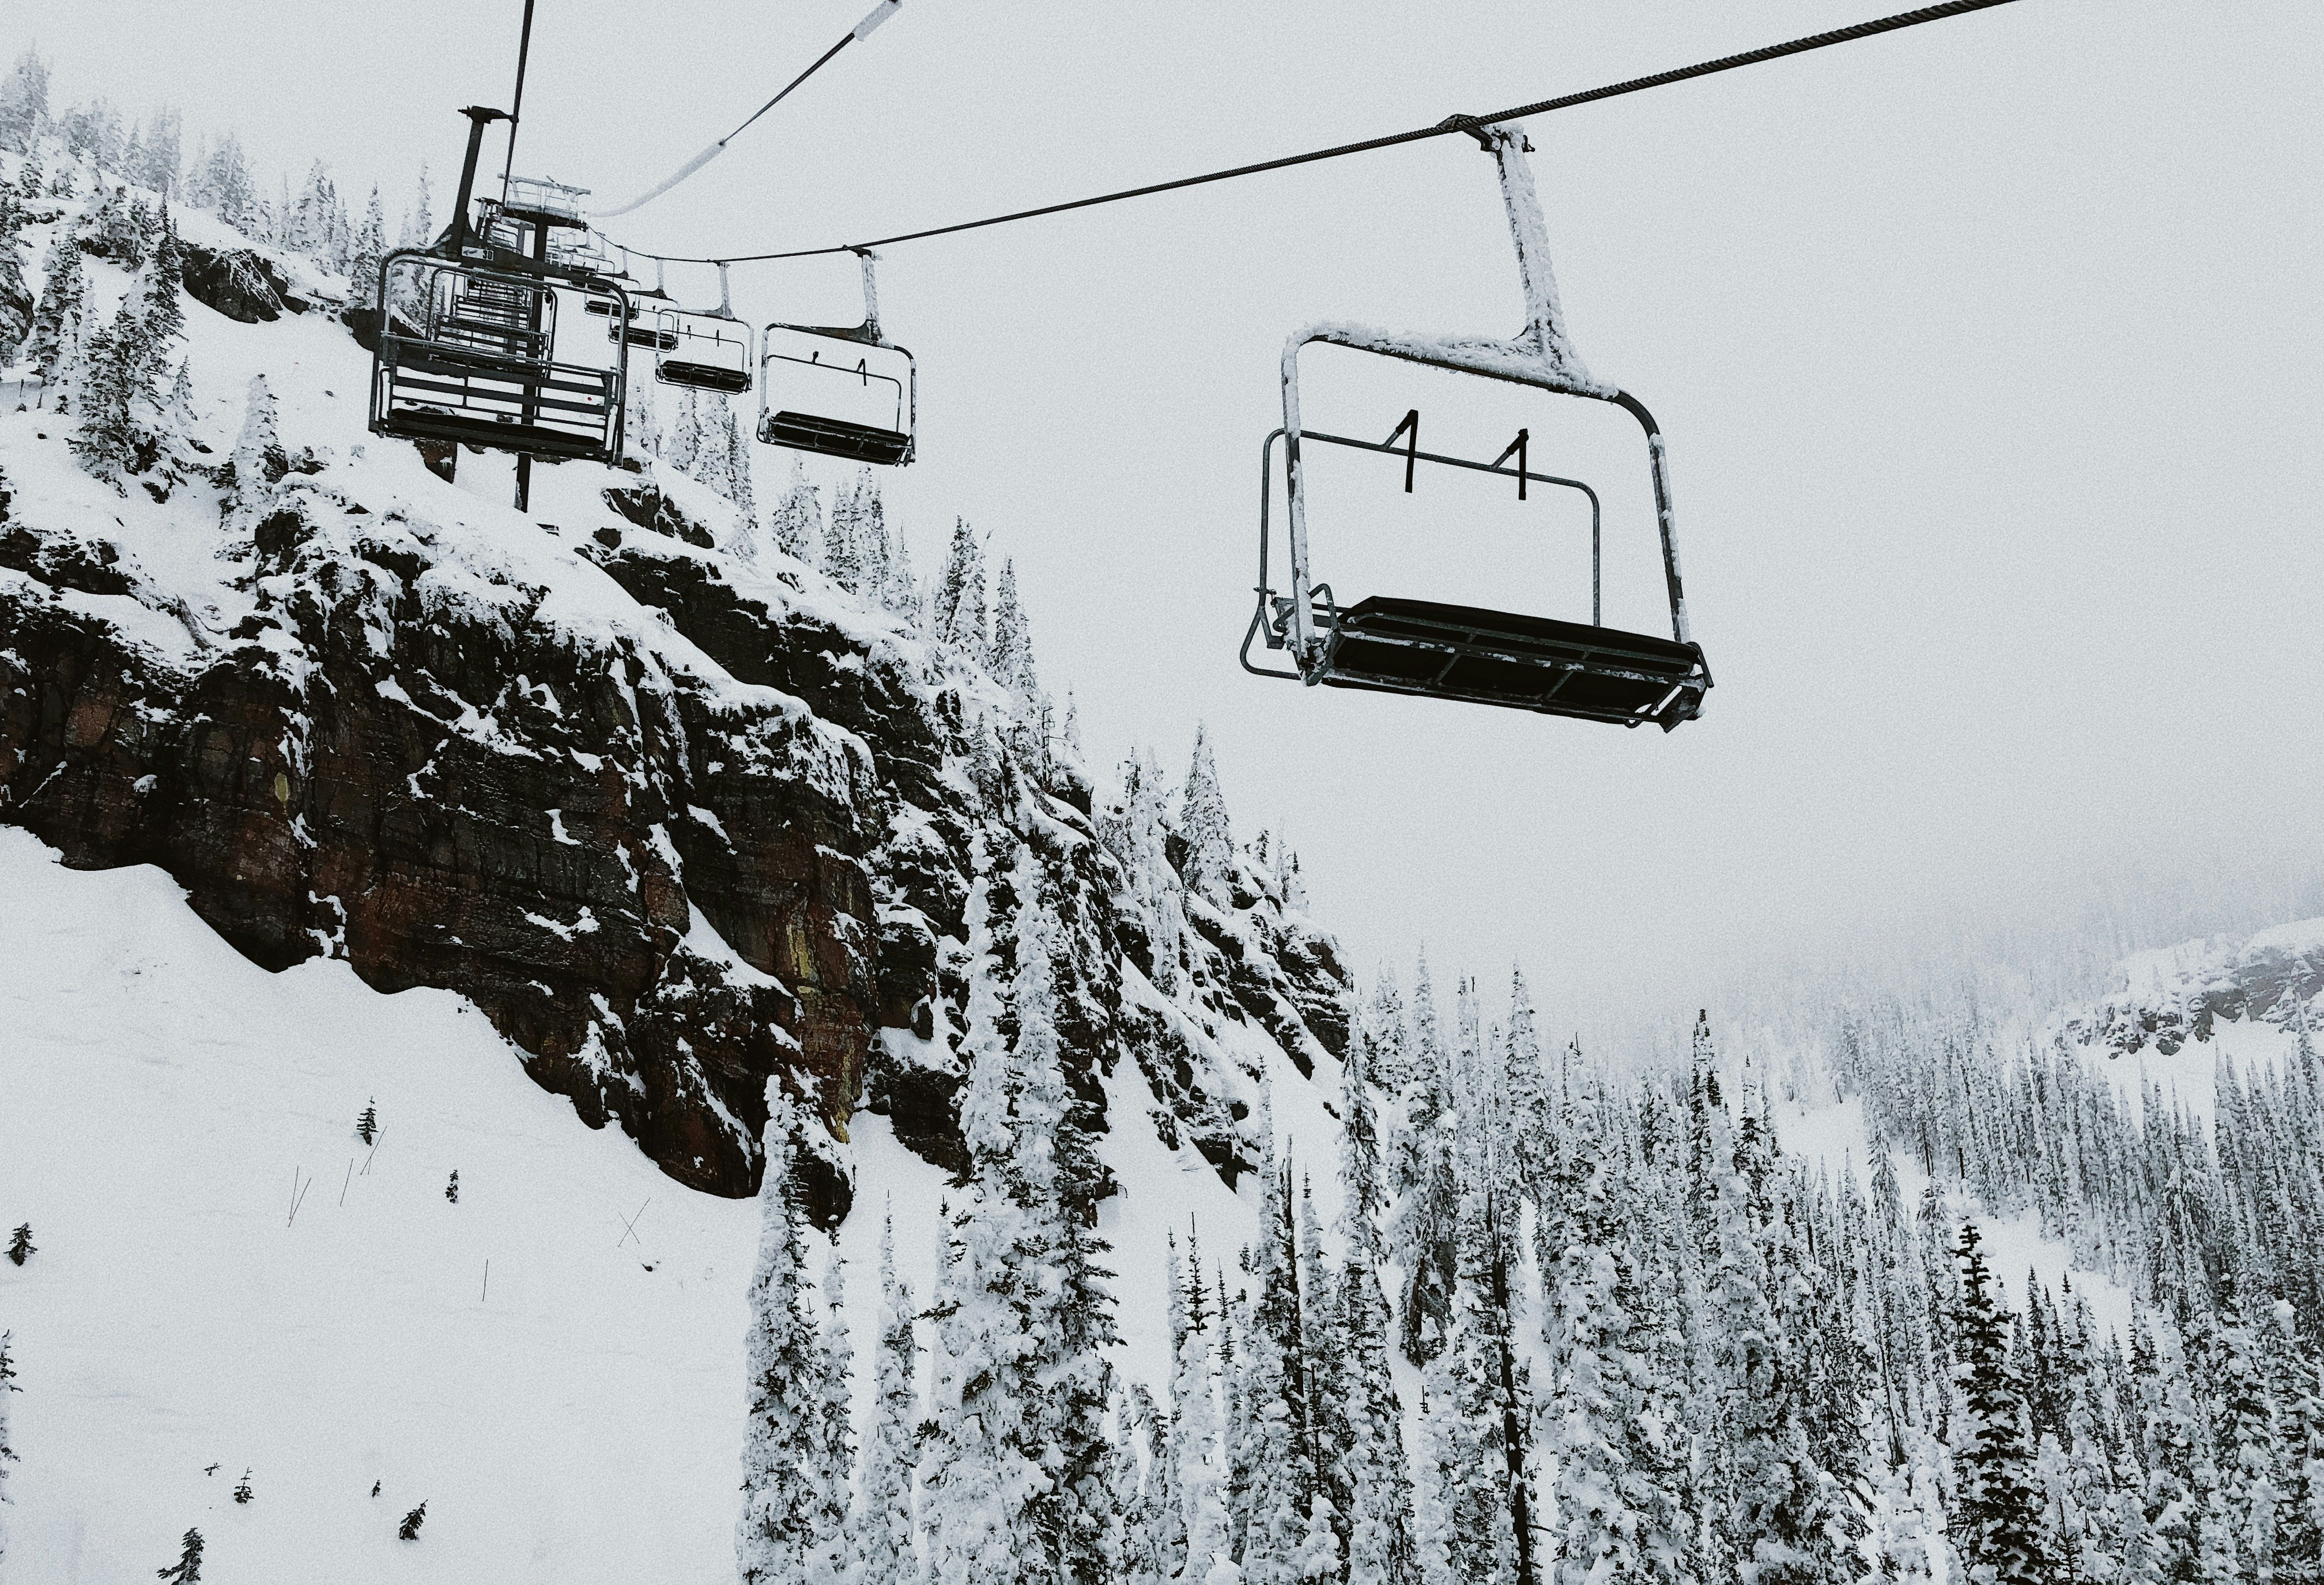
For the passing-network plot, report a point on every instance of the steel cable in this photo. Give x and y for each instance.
(1456, 123)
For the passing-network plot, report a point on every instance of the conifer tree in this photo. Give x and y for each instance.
(783, 1446)
(958, 617)
(879, 1525)
(1203, 824)
(1197, 1448)
(21, 1247)
(735, 469)
(834, 1436)
(843, 546)
(418, 228)
(1012, 652)
(64, 293)
(682, 447)
(409, 1529)
(17, 302)
(2000, 1512)
(1609, 1422)
(188, 1569)
(798, 518)
(1424, 1224)
(1019, 1456)
(874, 555)
(2245, 1415)
(257, 465)
(23, 102)
(369, 247)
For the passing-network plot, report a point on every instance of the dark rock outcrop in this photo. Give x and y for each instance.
(666, 889)
(241, 283)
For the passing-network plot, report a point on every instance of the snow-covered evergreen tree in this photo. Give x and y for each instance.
(797, 519)
(2000, 1519)
(1610, 1420)
(64, 295)
(834, 1436)
(256, 467)
(16, 299)
(958, 615)
(879, 1528)
(188, 1569)
(368, 247)
(1197, 1436)
(23, 102)
(783, 1441)
(1012, 641)
(1203, 824)
(1016, 1470)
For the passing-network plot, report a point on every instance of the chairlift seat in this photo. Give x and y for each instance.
(701, 376)
(1535, 663)
(828, 437)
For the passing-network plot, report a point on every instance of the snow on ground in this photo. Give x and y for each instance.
(574, 1417)
(1834, 1135)
(2190, 1073)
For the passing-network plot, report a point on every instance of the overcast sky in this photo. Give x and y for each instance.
(1991, 357)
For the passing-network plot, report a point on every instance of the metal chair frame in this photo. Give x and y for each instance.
(678, 331)
(493, 379)
(832, 437)
(1306, 622)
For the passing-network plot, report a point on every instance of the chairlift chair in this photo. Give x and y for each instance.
(839, 390)
(1389, 644)
(481, 365)
(707, 349)
(641, 326)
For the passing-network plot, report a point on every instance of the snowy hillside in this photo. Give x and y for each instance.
(574, 1416)
(678, 810)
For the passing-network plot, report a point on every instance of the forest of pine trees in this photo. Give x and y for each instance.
(1572, 1329)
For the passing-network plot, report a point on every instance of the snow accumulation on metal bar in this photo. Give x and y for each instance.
(1516, 360)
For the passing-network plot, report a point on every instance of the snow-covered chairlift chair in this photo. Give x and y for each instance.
(839, 390)
(1394, 645)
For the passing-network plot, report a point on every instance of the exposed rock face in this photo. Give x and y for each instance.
(239, 283)
(2272, 976)
(665, 880)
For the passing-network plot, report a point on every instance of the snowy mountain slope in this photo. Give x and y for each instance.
(2176, 994)
(575, 1419)
(675, 809)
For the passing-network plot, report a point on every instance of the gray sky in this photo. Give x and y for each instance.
(1989, 355)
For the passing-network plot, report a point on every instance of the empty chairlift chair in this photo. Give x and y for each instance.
(1557, 668)
(839, 390)
(469, 354)
(707, 349)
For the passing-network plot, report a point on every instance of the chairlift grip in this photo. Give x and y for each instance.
(1410, 428)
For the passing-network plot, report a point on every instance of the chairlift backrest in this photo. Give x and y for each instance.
(839, 390)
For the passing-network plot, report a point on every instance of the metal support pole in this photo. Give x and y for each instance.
(478, 119)
(516, 105)
(540, 256)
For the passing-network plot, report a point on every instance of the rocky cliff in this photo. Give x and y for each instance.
(676, 812)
